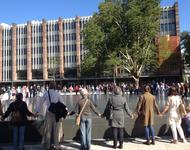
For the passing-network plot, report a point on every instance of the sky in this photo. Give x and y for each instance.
(21, 11)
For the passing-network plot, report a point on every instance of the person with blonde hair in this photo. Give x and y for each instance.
(174, 116)
(84, 107)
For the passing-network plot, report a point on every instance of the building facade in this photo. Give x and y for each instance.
(169, 52)
(33, 50)
(39, 50)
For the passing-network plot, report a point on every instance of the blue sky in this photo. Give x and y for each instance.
(21, 11)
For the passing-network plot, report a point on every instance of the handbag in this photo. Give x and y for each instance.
(108, 112)
(52, 107)
(78, 117)
(59, 109)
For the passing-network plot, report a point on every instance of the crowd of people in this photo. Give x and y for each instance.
(114, 111)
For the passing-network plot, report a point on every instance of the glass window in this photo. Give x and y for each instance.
(166, 27)
(171, 14)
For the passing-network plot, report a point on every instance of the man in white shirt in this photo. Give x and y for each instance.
(50, 96)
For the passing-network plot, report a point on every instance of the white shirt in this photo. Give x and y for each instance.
(54, 95)
(173, 103)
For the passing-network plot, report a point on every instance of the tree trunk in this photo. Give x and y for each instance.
(136, 81)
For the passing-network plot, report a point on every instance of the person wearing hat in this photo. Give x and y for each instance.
(85, 107)
(174, 116)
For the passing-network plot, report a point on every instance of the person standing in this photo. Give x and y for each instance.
(187, 118)
(1, 107)
(119, 104)
(50, 119)
(174, 117)
(18, 127)
(146, 106)
(86, 118)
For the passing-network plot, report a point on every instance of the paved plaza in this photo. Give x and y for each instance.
(129, 144)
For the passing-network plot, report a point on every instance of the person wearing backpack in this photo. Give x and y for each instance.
(19, 112)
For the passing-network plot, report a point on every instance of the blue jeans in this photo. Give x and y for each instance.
(149, 130)
(188, 129)
(85, 129)
(18, 137)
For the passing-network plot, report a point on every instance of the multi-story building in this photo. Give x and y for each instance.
(31, 51)
(169, 53)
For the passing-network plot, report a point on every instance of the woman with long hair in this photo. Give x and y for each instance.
(174, 117)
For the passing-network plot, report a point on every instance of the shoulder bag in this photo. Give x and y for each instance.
(59, 109)
(108, 112)
(78, 117)
(52, 107)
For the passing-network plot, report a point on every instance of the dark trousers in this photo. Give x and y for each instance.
(117, 135)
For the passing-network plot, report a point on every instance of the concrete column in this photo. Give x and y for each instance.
(61, 48)
(1, 63)
(78, 46)
(29, 52)
(44, 46)
(14, 53)
(177, 18)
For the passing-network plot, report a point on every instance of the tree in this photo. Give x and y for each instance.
(141, 29)
(123, 33)
(53, 67)
(102, 39)
(185, 43)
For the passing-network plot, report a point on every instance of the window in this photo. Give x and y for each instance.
(171, 14)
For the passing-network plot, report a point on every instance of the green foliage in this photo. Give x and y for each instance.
(129, 28)
(185, 42)
(164, 52)
(53, 67)
(142, 27)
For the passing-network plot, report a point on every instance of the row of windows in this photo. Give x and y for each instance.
(70, 25)
(53, 38)
(70, 36)
(37, 60)
(22, 51)
(70, 48)
(168, 28)
(21, 30)
(168, 14)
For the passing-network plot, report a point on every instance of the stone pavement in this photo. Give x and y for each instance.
(129, 144)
